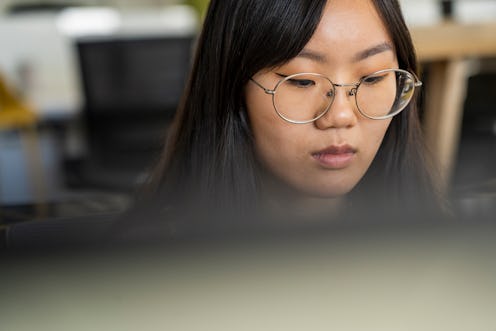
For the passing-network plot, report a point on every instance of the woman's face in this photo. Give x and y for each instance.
(328, 157)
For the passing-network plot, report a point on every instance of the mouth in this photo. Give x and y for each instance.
(335, 157)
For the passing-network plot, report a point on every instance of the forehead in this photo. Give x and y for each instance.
(348, 26)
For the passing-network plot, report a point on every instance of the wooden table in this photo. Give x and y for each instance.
(447, 49)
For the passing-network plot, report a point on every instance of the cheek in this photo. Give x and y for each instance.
(279, 145)
(374, 132)
(274, 137)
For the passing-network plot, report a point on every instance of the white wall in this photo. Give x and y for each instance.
(425, 12)
(33, 43)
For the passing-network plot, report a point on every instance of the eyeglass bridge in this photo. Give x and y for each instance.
(351, 92)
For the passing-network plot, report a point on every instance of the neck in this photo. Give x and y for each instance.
(284, 202)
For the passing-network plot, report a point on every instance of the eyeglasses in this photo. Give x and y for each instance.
(305, 97)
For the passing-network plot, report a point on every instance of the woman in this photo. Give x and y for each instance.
(297, 106)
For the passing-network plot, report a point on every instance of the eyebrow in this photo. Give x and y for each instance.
(312, 55)
(360, 56)
(374, 50)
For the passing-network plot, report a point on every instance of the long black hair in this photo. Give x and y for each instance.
(210, 154)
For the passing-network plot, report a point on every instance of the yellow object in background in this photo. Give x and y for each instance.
(200, 6)
(14, 112)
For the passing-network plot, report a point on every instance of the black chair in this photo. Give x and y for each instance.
(131, 88)
(476, 164)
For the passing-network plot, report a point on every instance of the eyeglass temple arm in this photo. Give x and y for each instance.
(266, 90)
(418, 82)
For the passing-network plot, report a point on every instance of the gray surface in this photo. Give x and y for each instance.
(422, 278)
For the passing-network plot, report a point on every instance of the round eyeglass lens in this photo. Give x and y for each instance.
(385, 93)
(302, 98)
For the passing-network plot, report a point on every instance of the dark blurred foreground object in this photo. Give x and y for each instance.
(422, 277)
(141, 227)
(132, 87)
(57, 234)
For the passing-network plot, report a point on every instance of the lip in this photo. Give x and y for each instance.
(335, 157)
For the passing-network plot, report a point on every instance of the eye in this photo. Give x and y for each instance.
(373, 79)
(301, 83)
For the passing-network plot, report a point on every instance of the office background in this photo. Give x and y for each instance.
(103, 79)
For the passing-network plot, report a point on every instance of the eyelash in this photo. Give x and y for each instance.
(377, 78)
(302, 82)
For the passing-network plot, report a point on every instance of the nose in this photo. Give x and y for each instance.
(342, 112)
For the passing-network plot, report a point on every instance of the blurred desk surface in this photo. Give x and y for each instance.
(451, 40)
(389, 278)
(447, 49)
